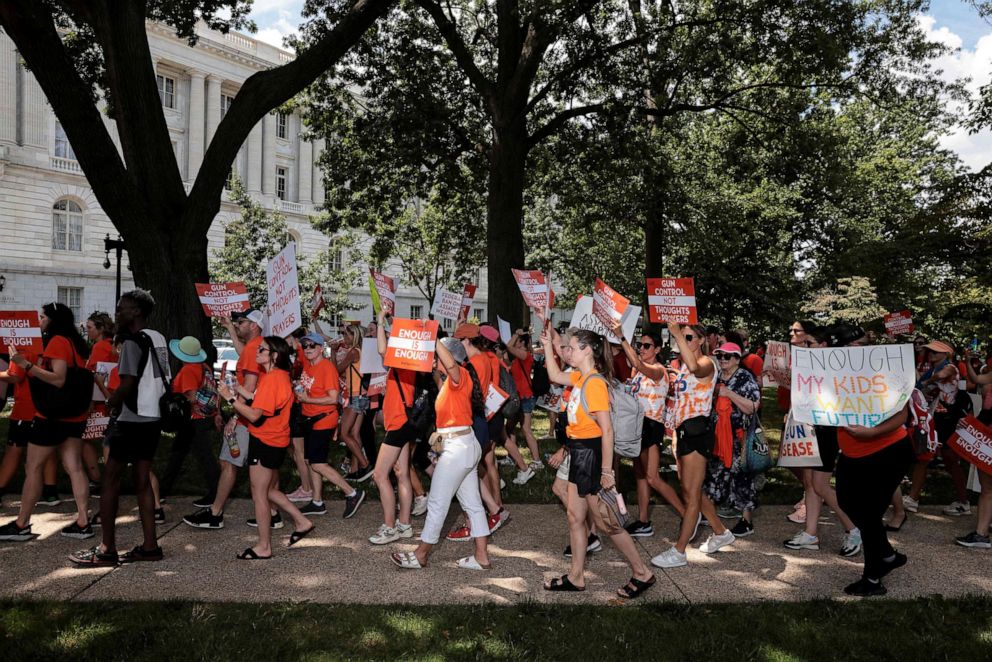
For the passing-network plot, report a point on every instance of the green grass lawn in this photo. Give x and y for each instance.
(931, 628)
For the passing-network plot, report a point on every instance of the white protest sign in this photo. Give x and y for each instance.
(505, 332)
(282, 281)
(550, 400)
(843, 386)
(103, 369)
(447, 304)
(371, 361)
(494, 400)
(776, 369)
(799, 447)
(583, 318)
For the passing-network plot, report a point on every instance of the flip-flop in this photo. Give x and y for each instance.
(407, 560)
(300, 535)
(889, 527)
(563, 583)
(94, 558)
(470, 563)
(639, 587)
(251, 555)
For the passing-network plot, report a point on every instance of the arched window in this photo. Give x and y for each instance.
(294, 237)
(67, 226)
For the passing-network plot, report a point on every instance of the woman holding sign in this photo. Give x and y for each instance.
(979, 538)
(358, 402)
(590, 446)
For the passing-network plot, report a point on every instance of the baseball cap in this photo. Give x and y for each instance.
(255, 316)
(729, 348)
(938, 346)
(468, 331)
(313, 337)
(489, 332)
(456, 348)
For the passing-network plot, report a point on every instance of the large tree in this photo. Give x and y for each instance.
(85, 49)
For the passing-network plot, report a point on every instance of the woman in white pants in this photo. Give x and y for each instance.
(456, 471)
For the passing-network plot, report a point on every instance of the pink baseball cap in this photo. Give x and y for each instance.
(729, 348)
(489, 333)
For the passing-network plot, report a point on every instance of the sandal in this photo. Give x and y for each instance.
(563, 583)
(94, 558)
(889, 527)
(635, 587)
(470, 563)
(251, 555)
(407, 561)
(139, 553)
(300, 535)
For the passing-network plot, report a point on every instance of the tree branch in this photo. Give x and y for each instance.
(458, 48)
(559, 120)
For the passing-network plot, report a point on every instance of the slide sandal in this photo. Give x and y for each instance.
(300, 535)
(639, 587)
(563, 583)
(251, 555)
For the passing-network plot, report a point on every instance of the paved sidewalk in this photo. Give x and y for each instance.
(337, 564)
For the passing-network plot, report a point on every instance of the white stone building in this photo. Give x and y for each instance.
(51, 223)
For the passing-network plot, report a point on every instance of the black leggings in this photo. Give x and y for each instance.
(864, 490)
(367, 434)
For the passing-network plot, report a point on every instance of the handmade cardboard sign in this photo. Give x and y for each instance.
(799, 447)
(283, 284)
(220, 299)
(672, 300)
(899, 323)
(776, 369)
(411, 345)
(21, 329)
(843, 386)
(584, 318)
(973, 441)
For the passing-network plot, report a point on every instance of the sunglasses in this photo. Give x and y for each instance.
(308, 345)
(263, 350)
(689, 337)
(723, 357)
(795, 331)
(643, 345)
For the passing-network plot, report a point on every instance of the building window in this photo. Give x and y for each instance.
(62, 147)
(292, 236)
(73, 298)
(478, 313)
(281, 130)
(335, 261)
(281, 176)
(448, 324)
(167, 90)
(416, 312)
(67, 226)
(225, 104)
(335, 320)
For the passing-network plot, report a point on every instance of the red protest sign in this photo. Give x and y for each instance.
(608, 305)
(899, 323)
(468, 296)
(316, 302)
(21, 329)
(534, 288)
(411, 345)
(672, 300)
(386, 289)
(223, 298)
(96, 425)
(973, 441)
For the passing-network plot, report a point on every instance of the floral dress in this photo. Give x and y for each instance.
(734, 486)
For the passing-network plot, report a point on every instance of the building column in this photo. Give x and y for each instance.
(306, 171)
(254, 174)
(269, 154)
(318, 176)
(213, 107)
(196, 142)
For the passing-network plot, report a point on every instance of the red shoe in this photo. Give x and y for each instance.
(495, 521)
(461, 533)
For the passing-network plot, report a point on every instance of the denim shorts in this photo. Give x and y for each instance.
(527, 405)
(359, 403)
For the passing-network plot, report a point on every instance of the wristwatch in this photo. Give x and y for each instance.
(231, 401)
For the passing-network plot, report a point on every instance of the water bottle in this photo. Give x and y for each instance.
(232, 443)
(621, 505)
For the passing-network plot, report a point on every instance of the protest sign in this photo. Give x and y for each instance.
(972, 440)
(411, 345)
(220, 299)
(844, 386)
(899, 323)
(672, 300)
(103, 369)
(377, 384)
(316, 302)
(371, 361)
(608, 305)
(583, 318)
(468, 296)
(21, 329)
(446, 304)
(505, 332)
(495, 397)
(776, 370)
(282, 281)
(551, 400)
(535, 289)
(799, 447)
(383, 289)
(96, 425)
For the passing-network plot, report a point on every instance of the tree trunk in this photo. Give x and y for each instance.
(654, 244)
(504, 222)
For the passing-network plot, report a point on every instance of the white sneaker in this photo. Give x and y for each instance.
(419, 505)
(802, 540)
(502, 484)
(958, 508)
(523, 476)
(910, 504)
(852, 543)
(715, 542)
(672, 558)
(404, 530)
(384, 535)
(300, 495)
(537, 465)
(505, 461)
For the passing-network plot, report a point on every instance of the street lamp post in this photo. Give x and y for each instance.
(116, 245)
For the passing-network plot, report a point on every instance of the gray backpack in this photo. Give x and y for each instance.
(626, 415)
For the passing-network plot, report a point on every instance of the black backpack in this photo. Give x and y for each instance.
(478, 399)
(174, 409)
(72, 399)
(420, 413)
(511, 407)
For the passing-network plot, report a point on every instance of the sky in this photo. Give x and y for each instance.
(953, 22)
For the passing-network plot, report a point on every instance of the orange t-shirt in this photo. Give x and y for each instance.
(393, 411)
(855, 448)
(582, 425)
(101, 352)
(113, 380)
(454, 402)
(483, 365)
(189, 378)
(318, 380)
(23, 404)
(62, 348)
(248, 365)
(754, 364)
(273, 394)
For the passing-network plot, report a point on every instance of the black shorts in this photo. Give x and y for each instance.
(945, 424)
(585, 464)
(297, 422)
(135, 442)
(826, 441)
(261, 453)
(496, 428)
(20, 433)
(652, 434)
(47, 432)
(317, 445)
(695, 435)
(402, 436)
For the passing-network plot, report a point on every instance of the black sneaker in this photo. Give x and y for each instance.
(204, 519)
(974, 540)
(361, 475)
(95, 489)
(352, 503)
(865, 588)
(742, 529)
(203, 502)
(639, 529)
(898, 562)
(78, 532)
(313, 509)
(160, 515)
(593, 545)
(275, 524)
(10, 532)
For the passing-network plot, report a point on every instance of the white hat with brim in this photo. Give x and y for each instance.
(188, 350)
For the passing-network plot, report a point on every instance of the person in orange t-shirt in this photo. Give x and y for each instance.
(456, 472)
(100, 330)
(590, 443)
